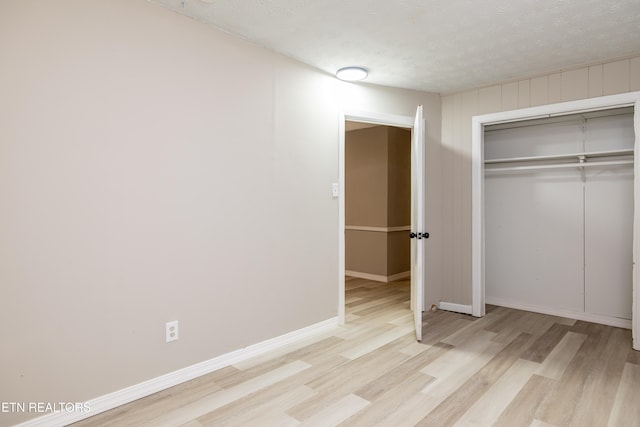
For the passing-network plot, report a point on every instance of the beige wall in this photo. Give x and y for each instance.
(398, 252)
(152, 169)
(399, 200)
(378, 194)
(457, 110)
(366, 252)
(366, 194)
(399, 177)
(366, 177)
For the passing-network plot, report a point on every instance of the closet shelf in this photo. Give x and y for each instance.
(576, 156)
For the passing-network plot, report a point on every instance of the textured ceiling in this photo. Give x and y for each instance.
(432, 45)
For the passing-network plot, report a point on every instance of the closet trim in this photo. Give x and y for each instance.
(630, 99)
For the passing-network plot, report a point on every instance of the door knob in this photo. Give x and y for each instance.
(419, 235)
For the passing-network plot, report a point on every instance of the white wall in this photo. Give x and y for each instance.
(152, 169)
(457, 109)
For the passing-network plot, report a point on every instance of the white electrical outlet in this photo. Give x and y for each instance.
(172, 330)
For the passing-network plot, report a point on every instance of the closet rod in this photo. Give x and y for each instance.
(560, 166)
(562, 156)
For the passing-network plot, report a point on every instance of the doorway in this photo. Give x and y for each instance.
(417, 126)
(377, 202)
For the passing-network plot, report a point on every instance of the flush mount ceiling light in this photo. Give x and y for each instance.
(352, 74)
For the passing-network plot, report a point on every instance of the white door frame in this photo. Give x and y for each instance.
(365, 117)
(477, 185)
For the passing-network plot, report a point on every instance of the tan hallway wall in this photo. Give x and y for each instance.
(457, 109)
(378, 184)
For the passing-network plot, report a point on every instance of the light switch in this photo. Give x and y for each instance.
(335, 190)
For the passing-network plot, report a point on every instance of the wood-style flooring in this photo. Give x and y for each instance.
(510, 368)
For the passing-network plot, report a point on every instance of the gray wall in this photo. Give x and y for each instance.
(152, 169)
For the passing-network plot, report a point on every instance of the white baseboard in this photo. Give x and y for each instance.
(458, 308)
(399, 276)
(587, 317)
(163, 382)
(377, 277)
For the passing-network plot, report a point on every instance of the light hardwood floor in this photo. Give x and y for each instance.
(510, 368)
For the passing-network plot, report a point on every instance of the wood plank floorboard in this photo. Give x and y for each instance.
(460, 401)
(486, 409)
(510, 368)
(387, 403)
(539, 351)
(521, 410)
(633, 357)
(381, 384)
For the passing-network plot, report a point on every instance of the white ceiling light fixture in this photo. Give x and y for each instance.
(352, 74)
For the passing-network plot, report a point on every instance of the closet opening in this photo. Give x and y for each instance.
(556, 210)
(559, 215)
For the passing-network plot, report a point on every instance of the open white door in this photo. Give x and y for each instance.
(418, 232)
